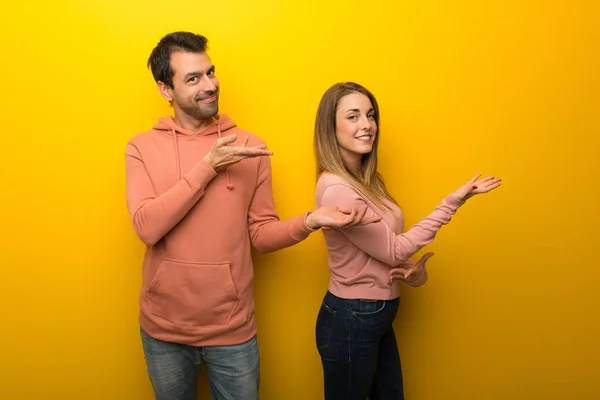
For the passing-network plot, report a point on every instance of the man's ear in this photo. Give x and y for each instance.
(165, 91)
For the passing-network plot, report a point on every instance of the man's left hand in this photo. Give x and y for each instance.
(339, 217)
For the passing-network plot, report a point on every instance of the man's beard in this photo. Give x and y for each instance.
(203, 111)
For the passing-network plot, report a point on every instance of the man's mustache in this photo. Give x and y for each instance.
(206, 95)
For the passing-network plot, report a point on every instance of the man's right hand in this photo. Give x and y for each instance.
(222, 156)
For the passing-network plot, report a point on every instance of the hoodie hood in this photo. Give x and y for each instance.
(221, 123)
(168, 126)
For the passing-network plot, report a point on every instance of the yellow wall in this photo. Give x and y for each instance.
(503, 87)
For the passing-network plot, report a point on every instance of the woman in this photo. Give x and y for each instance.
(354, 332)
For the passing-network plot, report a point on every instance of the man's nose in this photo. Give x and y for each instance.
(208, 85)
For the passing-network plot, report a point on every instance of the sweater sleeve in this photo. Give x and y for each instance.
(267, 232)
(153, 216)
(377, 239)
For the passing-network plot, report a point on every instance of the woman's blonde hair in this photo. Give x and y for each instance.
(327, 151)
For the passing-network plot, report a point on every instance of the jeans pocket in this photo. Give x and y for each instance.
(370, 307)
(325, 323)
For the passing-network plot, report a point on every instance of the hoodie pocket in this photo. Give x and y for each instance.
(193, 294)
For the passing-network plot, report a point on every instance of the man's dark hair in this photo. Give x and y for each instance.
(159, 61)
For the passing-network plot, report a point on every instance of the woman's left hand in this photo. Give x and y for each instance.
(473, 187)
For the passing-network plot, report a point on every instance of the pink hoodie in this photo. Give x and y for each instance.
(199, 226)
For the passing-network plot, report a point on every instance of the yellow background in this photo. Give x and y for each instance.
(509, 88)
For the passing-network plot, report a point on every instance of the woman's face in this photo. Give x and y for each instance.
(355, 126)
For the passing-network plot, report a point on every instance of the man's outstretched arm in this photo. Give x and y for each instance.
(268, 233)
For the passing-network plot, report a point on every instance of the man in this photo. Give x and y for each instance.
(199, 194)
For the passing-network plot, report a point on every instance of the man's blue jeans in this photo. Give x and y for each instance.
(233, 371)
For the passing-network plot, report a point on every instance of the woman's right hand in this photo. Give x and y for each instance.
(410, 272)
(473, 187)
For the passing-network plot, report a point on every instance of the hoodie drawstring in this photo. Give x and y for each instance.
(229, 184)
(178, 164)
